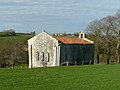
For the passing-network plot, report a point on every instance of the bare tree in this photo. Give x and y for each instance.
(105, 38)
(10, 32)
(12, 53)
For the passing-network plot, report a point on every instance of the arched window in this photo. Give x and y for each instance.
(48, 56)
(43, 56)
(81, 35)
(37, 56)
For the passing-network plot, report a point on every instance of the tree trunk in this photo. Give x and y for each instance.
(98, 59)
(118, 57)
(117, 51)
(108, 61)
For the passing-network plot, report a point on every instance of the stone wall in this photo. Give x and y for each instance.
(44, 50)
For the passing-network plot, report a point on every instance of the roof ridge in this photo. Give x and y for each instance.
(88, 40)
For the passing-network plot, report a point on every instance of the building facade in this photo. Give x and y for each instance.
(45, 50)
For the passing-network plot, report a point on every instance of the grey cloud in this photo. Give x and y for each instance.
(55, 12)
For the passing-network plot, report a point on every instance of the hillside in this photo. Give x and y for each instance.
(92, 77)
(17, 38)
(13, 50)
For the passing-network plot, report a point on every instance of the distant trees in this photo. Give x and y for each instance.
(12, 53)
(106, 33)
(10, 32)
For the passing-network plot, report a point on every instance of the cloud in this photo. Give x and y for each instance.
(15, 1)
(54, 12)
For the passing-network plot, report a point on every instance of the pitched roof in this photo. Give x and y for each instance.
(67, 40)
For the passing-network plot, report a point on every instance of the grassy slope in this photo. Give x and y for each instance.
(94, 77)
(17, 38)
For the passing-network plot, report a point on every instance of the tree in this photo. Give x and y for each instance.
(104, 31)
(10, 32)
(12, 53)
(117, 34)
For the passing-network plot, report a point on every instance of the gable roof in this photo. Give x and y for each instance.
(67, 40)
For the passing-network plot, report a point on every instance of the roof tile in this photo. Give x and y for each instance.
(67, 40)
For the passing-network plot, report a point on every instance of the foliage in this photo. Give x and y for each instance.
(92, 77)
(10, 32)
(13, 50)
(106, 34)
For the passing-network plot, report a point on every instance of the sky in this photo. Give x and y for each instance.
(53, 16)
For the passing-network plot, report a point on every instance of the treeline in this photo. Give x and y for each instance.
(13, 50)
(106, 35)
(12, 53)
(10, 32)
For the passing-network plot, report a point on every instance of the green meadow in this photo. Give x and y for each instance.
(17, 38)
(86, 77)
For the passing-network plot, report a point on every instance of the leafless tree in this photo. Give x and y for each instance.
(106, 37)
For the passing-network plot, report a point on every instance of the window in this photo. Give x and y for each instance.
(81, 35)
(48, 56)
(37, 56)
(42, 56)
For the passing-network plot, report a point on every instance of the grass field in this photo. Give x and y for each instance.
(94, 77)
(17, 38)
